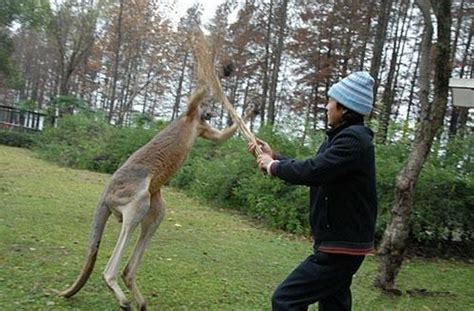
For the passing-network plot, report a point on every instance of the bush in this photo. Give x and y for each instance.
(278, 204)
(118, 145)
(85, 142)
(75, 142)
(17, 139)
(226, 175)
(389, 161)
(443, 207)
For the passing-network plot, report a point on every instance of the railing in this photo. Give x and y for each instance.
(12, 118)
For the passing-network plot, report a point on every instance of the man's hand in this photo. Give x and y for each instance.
(263, 161)
(265, 147)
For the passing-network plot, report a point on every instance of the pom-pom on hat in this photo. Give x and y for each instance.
(355, 92)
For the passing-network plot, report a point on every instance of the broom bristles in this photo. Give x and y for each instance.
(206, 74)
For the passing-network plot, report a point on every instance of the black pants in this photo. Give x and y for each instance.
(321, 277)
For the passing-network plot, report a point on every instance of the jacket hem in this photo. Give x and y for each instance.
(348, 248)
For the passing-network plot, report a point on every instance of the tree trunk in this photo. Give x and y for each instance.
(145, 97)
(277, 54)
(453, 124)
(266, 65)
(245, 103)
(367, 35)
(177, 99)
(388, 94)
(124, 92)
(309, 110)
(381, 32)
(410, 97)
(66, 76)
(459, 114)
(116, 62)
(394, 243)
(458, 29)
(403, 41)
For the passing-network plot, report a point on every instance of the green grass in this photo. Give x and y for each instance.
(201, 258)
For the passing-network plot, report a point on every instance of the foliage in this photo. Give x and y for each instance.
(27, 105)
(7, 68)
(226, 175)
(67, 105)
(17, 139)
(88, 142)
(389, 161)
(119, 144)
(442, 207)
(75, 142)
(445, 196)
(457, 154)
(112, 54)
(214, 259)
(29, 13)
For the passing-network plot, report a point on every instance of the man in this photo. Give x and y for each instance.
(343, 200)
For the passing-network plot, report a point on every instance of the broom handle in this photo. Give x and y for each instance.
(208, 73)
(217, 90)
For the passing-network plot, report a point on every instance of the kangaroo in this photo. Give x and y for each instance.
(134, 196)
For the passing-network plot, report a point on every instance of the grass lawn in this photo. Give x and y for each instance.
(201, 258)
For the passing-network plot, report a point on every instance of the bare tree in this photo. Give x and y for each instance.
(118, 45)
(73, 30)
(277, 55)
(459, 114)
(389, 89)
(394, 243)
(380, 35)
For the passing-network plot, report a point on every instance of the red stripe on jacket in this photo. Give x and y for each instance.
(347, 251)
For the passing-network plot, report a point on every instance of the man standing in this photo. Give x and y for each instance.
(343, 200)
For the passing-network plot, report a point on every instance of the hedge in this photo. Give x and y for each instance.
(227, 175)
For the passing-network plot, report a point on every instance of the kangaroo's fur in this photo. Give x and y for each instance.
(134, 195)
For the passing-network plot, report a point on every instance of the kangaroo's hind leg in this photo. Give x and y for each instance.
(132, 214)
(149, 224)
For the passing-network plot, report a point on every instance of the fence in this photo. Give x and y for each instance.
(12, 118)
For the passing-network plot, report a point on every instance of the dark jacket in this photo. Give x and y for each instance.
(343, 198)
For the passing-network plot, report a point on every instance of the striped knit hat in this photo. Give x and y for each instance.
(355, 92)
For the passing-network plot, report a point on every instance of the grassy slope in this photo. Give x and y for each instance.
(202, 258)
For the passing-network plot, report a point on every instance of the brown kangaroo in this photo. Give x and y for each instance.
(133, 194)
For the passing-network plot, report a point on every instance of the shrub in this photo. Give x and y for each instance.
(17, 139)
(389, 161)
(86, 142)
(118, 145)
(278, 204)
(75, 142)
(226, 175)
(443, 207)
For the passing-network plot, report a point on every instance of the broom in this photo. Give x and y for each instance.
(207, 74)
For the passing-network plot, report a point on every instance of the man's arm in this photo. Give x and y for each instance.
(323, 168)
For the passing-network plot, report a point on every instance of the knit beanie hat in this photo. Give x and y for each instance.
(355, 92)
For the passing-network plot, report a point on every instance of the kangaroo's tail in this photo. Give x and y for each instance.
(101, 215)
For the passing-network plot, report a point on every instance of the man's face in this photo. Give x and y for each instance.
(334, 113)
